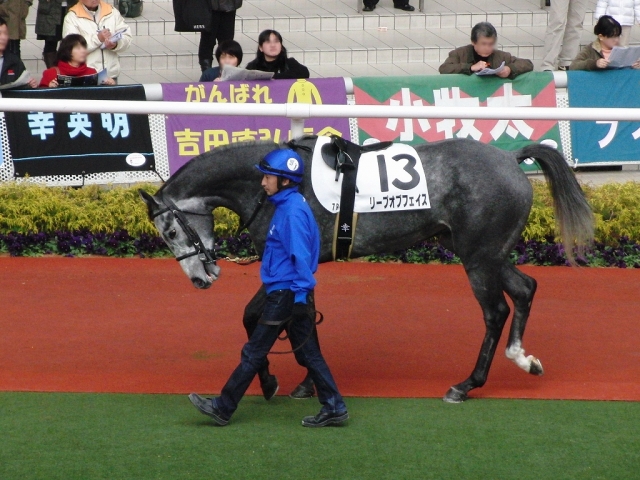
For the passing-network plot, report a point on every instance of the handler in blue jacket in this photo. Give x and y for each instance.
(289, 261)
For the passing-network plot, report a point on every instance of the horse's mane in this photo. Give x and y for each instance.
(206, 156)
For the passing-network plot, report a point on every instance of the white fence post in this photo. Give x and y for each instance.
(297, 127)
(297, 112)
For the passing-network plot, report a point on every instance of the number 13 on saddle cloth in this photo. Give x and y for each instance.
(387, 180)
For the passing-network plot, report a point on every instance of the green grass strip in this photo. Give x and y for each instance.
(85, 436)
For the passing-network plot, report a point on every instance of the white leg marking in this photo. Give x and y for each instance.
(516, 353)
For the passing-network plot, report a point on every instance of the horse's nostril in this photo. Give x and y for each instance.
(198, 282)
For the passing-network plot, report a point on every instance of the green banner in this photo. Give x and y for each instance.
(534, 89)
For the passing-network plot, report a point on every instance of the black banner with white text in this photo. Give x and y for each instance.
(77, 143)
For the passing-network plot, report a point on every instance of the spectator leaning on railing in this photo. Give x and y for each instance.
(595, 56)
(72, 62)
(625, 12)
(272, 57)
(227, 53)
(11, 67)
(105, 31)
(482, 54)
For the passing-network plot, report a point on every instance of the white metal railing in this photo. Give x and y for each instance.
(299, 112)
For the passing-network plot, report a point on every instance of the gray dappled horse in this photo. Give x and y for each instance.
(480, 202)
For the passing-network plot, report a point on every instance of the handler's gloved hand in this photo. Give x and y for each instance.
(300, 311)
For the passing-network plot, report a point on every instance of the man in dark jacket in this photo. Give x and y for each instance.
(482, 54)
(289, 261)
(11, 67)
(214, 19)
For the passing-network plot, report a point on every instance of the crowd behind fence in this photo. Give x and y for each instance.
(76, 136)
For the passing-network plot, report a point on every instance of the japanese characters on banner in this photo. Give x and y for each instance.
(191, 135)
(535, 89)
(605, 142)
(44, 143)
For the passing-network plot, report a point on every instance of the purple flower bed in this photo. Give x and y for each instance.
(626, 254)
(116, 244)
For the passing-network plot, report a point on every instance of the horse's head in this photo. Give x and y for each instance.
(189, 234)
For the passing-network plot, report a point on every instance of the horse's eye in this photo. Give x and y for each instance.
(172, 234)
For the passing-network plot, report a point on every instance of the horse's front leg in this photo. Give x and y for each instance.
(488, 291)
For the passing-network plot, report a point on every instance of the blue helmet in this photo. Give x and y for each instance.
(284, 163)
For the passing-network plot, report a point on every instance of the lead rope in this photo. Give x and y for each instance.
(244, 261)
(253, 216)
(286, 335)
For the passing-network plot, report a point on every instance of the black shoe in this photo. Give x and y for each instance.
(324, 419)
(205, 65)
(406, 7)
(369, 8)
(303, 391)
(269, 387)
(205, 406)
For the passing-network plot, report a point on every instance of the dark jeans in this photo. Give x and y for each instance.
(223, 27)
(252, 314)
(50, 46)
(278, 306)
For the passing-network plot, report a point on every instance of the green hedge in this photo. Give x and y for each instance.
(30, 208)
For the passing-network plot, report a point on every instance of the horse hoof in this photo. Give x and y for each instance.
(454, 396)
(536, 368)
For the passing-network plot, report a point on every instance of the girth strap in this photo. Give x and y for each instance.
(346, 218)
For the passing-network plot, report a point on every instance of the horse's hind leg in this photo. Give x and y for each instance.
(487, 287)
(521, 289)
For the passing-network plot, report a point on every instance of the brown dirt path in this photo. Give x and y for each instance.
(132, 325)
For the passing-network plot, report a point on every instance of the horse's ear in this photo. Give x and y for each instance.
(151, 202)
(148, 199)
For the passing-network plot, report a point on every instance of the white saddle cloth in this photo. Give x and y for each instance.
(388, 180)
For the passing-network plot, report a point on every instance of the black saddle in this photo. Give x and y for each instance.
(341, 154)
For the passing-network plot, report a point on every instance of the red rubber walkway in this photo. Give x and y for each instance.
(132, 325)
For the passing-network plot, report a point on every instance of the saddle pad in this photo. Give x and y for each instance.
(388, 180)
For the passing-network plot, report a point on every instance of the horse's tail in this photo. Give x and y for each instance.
(574, 216)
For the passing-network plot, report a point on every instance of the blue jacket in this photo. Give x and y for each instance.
(292, 248)
(210, 74)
